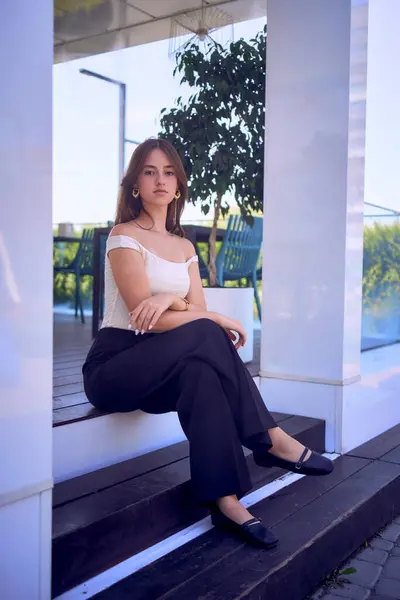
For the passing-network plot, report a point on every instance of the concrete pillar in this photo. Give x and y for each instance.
(26, 54)
(313, 214)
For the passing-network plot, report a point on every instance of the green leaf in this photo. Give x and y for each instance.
(348, 571)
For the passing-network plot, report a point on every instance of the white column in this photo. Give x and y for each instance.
(26, 52)
(383, 123)
(313, 214)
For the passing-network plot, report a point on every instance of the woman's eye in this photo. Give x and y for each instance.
(148, 172)
(170, 173)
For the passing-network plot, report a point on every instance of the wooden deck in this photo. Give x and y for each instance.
(72, 341)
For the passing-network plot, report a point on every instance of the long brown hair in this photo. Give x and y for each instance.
(129, 208)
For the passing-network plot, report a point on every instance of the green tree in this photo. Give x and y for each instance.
(219, 131)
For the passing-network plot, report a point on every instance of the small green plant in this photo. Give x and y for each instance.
(348, 571)
(340, 581)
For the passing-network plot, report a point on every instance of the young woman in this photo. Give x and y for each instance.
(160, 350)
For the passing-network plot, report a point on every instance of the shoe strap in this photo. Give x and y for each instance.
(299, 463)
(251, 522)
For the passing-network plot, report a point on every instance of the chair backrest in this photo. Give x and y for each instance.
(86, 252)
(103, 237)
(191, 235)
(240, 249)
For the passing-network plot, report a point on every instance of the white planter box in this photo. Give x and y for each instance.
(236, 303)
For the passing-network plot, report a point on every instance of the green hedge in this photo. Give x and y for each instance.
(381, 275)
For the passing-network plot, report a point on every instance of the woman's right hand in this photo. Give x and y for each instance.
(233, 327)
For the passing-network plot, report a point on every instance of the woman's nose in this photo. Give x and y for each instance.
(160, 180)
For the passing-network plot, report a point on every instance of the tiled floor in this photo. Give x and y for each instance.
(374, 572)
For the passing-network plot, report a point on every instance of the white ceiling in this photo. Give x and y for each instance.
(106, 25)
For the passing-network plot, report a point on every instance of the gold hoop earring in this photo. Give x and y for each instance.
(177, 195)
(135, 193)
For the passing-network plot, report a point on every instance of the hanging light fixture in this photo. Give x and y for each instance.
(209, 25)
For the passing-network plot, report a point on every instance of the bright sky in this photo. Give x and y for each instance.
(86, 123)
(86, 120)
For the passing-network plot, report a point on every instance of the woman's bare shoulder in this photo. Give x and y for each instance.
(123, 229)
(187, 246)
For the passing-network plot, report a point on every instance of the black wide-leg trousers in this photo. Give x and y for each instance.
(196, 371)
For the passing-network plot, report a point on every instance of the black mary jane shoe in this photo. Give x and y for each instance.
(315, 465)
(252, 531)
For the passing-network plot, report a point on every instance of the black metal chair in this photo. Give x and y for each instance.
(81, 264)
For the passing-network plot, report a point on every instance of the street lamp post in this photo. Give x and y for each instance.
(122, 115)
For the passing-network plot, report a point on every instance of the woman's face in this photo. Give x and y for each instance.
(157, 183)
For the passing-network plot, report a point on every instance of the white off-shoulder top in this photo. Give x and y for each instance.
(164, 276)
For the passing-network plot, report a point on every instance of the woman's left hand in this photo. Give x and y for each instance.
(147, 313)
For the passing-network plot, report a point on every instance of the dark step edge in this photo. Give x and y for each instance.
(201, 555)
(83, 412)
(80, 412)
(75, 414)
(85, 552)
(314, 540)
(68, 401)
(96, 481)
(300, 574)
(380, 445)
(82, 553)
(308, 431)
(393, 456)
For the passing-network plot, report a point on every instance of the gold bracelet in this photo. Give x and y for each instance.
(187, 303)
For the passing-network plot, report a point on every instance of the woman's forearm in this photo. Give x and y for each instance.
(179, 305)
(171, 319)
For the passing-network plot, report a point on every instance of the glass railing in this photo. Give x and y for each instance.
(381, 277)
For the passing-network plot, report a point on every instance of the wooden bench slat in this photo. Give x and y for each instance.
(68, 389)
(72, 414)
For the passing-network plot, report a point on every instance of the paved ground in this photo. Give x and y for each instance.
(377, 571)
